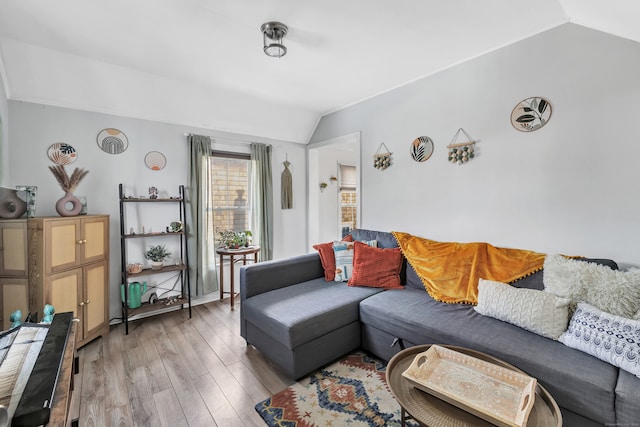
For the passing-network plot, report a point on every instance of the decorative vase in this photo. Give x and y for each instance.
(156, 265)
(11, 206)
(61, 205)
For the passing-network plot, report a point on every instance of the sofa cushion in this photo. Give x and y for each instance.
(299, 313)
(412, 315)
(385, 240)
(627, 399)
(376, 267)
(611, 338)
(536, 280)
(343, 253)
(536, 311)
(413, 281)
(328, 259)
(612, 291)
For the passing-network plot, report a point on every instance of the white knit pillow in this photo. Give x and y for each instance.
(536, 311)
(613, 291)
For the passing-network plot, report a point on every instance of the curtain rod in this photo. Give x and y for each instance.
(224, 139)
(229, 139)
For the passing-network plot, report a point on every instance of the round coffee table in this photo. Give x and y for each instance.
(430, 411)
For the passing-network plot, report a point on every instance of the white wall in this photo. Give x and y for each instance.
(570, 187)
(35, 127)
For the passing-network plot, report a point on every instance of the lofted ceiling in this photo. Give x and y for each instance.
(200, 62)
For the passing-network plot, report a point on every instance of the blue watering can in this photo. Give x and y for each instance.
(136, 290)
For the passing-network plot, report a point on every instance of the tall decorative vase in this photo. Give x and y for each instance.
(11, 206)
(61, 205)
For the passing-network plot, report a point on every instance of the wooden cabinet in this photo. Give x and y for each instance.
(13, 248)
(13, 296)
(72, 242)
(13, 269)
(69, 269)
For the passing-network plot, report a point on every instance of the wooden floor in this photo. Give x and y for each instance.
(174, 371)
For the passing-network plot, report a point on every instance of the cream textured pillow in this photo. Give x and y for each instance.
(613, 291)
(536, 311)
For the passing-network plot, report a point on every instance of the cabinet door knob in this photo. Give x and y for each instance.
(87, 302)
(84, 241)
(79, 242)
(81, 303)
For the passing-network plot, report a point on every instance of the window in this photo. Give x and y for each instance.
(230, 192)
(348, 210)
(348, 199)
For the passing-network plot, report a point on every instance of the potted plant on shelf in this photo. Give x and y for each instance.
(156, 254)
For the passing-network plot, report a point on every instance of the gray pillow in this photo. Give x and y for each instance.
(613, 291)
(536, 311)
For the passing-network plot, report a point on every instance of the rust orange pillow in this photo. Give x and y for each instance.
(328, 259)
(376, 267)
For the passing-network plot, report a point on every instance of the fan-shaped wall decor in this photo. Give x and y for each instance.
(421, 149)
(62, 154)
(155, 160)
(531, 114)
(112, 141)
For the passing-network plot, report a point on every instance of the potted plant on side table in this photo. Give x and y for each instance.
(235, 239)
(156, 254)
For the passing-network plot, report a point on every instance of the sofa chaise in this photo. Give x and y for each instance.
(301, 322)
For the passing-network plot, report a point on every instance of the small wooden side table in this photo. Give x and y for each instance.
(428, 410)
(241, 255)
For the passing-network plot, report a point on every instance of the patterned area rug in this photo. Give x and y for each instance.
(352, 392)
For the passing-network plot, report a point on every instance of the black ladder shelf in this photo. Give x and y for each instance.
(184, 299)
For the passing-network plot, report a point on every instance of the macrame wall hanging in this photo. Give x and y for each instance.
(286, 184)
(382, 159)
(461, 152)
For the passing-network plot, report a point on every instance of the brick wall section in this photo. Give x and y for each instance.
(348, 208)
(230, 188)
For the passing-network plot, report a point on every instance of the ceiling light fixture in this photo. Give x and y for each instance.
(272, 35)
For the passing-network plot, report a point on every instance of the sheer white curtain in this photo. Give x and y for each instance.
(201, 232)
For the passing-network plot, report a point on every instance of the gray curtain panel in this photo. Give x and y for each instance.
(262, 199)
(201, 232)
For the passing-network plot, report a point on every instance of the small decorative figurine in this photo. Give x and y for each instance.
(153, 192)
(15, 319)
(48, 311)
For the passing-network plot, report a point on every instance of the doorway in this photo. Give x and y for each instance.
(324, 181)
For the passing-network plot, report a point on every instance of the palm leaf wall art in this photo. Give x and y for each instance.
(531, 114)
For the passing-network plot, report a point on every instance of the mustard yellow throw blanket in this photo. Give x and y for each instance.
(450, 271)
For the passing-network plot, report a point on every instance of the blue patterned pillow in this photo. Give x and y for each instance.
(608, 337)
(343, 252)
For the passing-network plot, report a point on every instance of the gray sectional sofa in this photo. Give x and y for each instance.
(302, 322)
